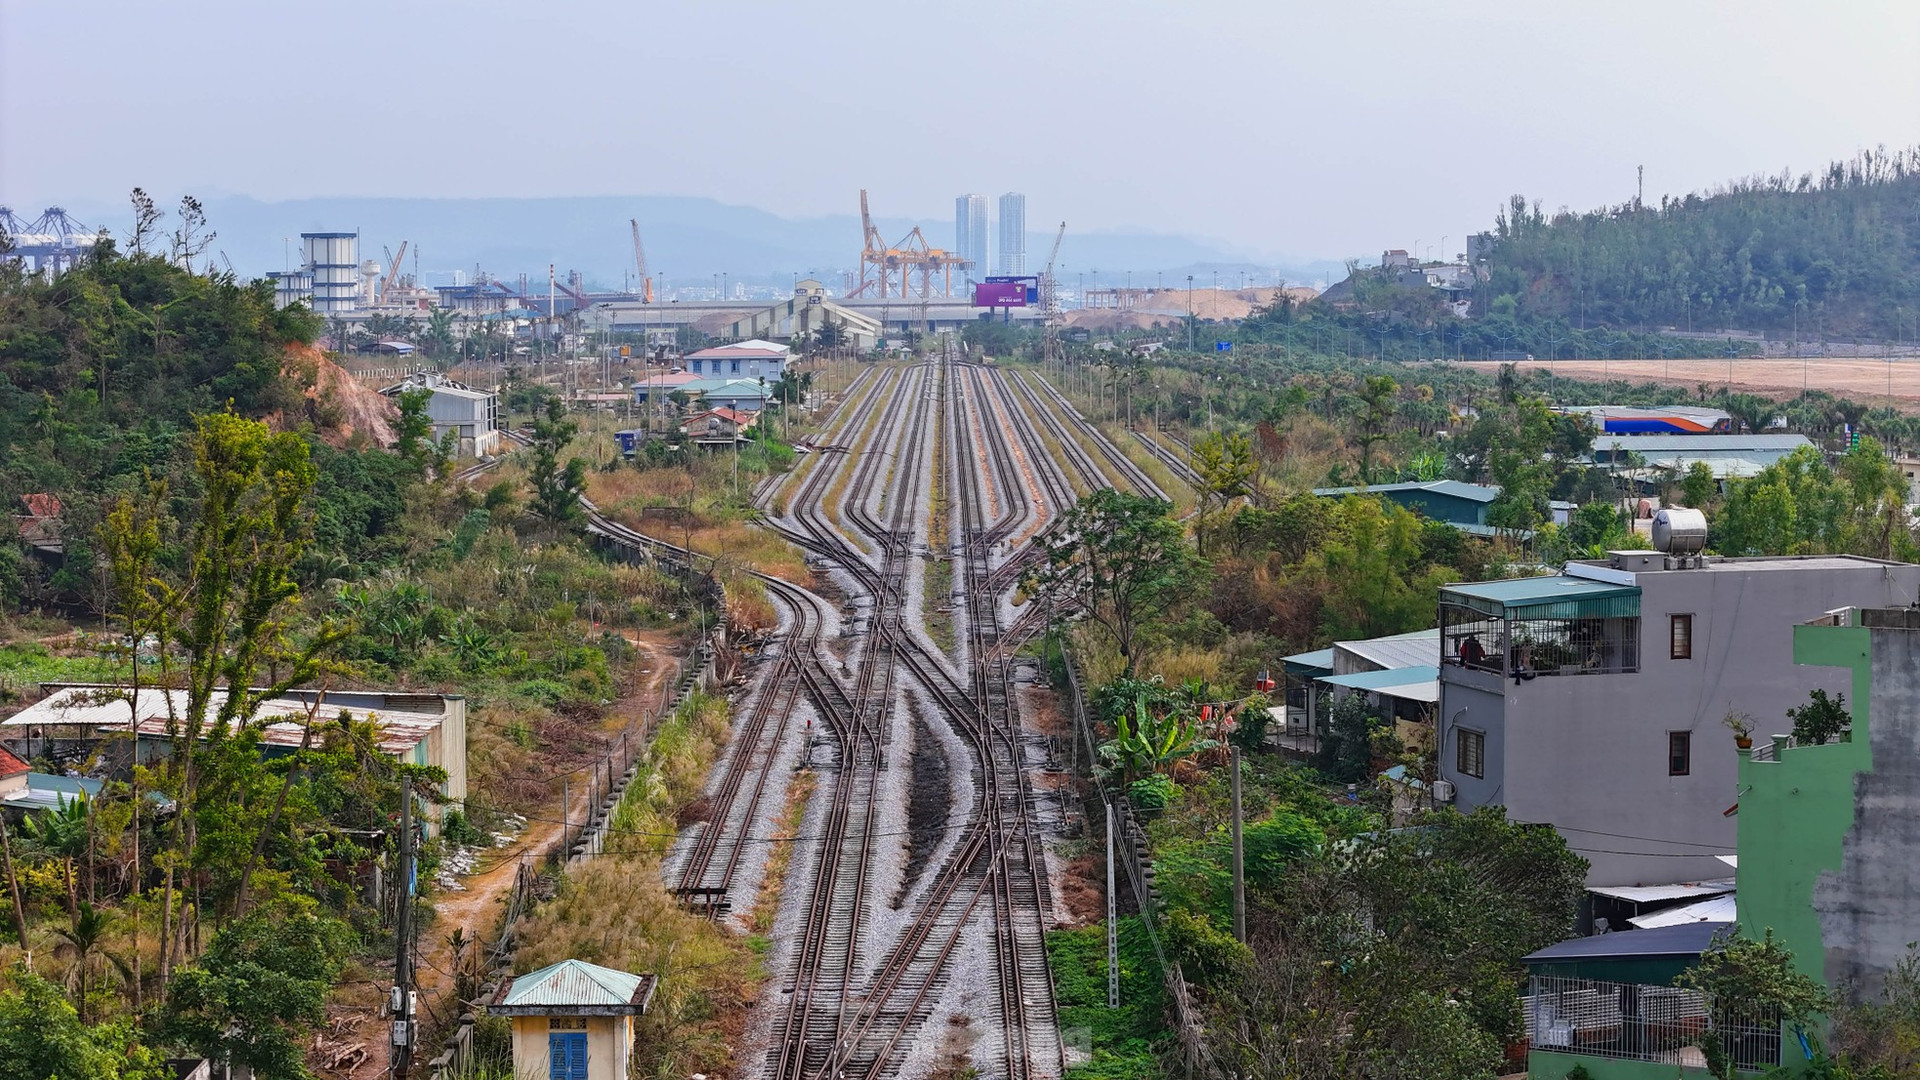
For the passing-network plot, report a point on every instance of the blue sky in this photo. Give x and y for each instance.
(1293, 130)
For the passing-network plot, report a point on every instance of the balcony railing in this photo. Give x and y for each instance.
(1527, 648)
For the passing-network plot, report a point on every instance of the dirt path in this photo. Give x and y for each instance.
(475, 908)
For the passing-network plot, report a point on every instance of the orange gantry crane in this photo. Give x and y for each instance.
(887, 270)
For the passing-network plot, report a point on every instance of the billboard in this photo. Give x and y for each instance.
(1008, 294)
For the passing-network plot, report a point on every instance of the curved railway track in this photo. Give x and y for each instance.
(853, 1004)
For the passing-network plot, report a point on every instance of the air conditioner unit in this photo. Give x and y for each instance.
(1443, 791)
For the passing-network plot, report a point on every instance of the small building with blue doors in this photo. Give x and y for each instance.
(572, 1020)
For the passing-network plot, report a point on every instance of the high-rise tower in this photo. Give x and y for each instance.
(970, 233)
(1013, 233)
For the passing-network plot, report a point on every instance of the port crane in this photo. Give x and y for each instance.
(1050, 301)
(393, 273)
(640, 263)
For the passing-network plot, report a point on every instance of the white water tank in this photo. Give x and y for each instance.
(1678, 530)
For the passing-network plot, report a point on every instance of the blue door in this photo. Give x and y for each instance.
(567, 1056)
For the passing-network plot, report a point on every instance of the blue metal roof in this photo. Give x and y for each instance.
(1685, 940)
(1382, 680)
(1316, 662)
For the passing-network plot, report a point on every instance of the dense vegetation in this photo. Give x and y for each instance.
(1837, 254)
(219, 525)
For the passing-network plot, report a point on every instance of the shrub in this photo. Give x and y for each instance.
(1153, 792)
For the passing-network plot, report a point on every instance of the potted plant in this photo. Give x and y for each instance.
(1742, 727)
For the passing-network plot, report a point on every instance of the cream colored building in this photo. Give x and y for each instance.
(572, 1020)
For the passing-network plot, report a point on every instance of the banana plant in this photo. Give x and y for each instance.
(1144, 743)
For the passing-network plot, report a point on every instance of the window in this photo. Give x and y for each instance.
(1680, 637)
(567, 1056)
(735, 370)
(1471, 756)
(1679, 753)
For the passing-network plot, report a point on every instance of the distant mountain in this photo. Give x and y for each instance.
(688, 240)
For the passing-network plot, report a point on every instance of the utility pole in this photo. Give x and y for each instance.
(401, 1003)
(1113, 923)
(1239, 852)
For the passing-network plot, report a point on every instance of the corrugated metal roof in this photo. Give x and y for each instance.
(575, 984)
(1307, 663)
(1412, 683)
(1647, 894)
(1687, 939)
(1557, 596)
(1698, 445)
(94, 708)
(1720, 909)
(1455, 488)
(1396, 650)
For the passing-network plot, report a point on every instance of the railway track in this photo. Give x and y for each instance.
(857, 998)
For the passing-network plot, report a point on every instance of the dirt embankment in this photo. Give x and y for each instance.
(1143, 308)
(345, 410)
(1894, 381)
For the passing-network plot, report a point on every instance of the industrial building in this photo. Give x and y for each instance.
(1592, 700)
(329, 277)
(473, 415)
(1651, 458)
(970, 233)
(753, 359)
(1013, 234)
(74, 720)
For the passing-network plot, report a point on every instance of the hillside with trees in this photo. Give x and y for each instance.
(1836, 253)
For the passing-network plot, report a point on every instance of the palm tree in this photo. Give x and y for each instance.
(90, 928)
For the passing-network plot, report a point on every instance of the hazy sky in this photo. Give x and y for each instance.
(1286, 129)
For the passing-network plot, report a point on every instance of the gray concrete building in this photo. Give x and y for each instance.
(455, 406)
(1593, 699)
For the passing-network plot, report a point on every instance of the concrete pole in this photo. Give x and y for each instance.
(1113, 922)
(1239, 851)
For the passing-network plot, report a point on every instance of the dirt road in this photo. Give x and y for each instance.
(475, 908)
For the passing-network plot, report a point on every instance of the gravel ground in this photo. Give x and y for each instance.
(963, 1019)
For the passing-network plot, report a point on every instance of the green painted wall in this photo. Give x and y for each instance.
(1549, 1065)
(1795, 811)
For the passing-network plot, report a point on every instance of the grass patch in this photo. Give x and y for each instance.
(792, 816)
(1125, 1042)
(615, 911)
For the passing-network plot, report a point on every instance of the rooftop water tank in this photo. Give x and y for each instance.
(1680, 531)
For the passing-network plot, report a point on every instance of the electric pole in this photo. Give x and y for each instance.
(1113, 923)
(1239, 852)
(401, 1003)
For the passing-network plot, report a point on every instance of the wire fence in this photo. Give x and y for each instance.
(1644, 1022)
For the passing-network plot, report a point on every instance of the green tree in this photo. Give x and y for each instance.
(1124, 559)
(43, 1038)
(261, 985)
(1748, 981)
(414, 432)
(1225, 464)
(221, 620)
(556, 488)
(1378, 400)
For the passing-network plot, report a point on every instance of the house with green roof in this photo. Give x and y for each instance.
(573, 1020)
